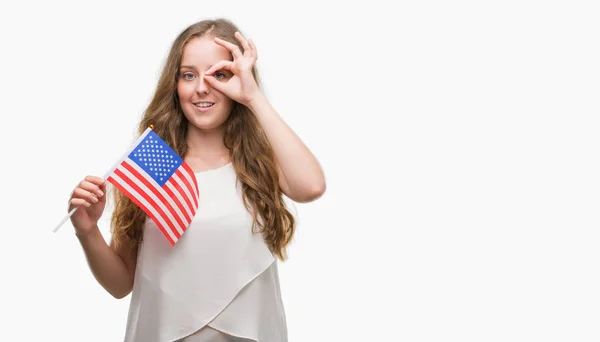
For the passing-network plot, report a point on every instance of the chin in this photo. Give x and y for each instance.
(206, 123)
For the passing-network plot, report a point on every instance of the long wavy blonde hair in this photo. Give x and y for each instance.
(250, 152)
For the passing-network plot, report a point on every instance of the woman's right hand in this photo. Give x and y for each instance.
(90, 196)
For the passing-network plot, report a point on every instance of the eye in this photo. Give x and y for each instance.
(220, 75)
(188, 76)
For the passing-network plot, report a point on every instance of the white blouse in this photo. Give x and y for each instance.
(219, 282)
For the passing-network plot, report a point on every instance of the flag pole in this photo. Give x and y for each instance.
(106, 175)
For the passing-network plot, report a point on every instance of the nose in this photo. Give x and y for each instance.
(203, 86)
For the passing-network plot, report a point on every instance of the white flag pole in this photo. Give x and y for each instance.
(107, 174)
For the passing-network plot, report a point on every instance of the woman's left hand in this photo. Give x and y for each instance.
(241, 86)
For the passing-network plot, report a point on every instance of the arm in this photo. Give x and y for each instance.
(113, 268)
(300, 176)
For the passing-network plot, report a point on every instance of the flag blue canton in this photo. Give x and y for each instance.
(155, 157)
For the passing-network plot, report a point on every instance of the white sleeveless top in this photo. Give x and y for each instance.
(219, 282)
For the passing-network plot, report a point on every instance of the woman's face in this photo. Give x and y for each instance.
(206, 108)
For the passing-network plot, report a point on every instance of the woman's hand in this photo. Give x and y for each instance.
(241, 86)
(90, 196)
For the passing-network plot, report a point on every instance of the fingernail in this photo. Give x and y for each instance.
(95, 200)
(100, 193)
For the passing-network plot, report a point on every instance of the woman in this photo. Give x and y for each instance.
(219, 282)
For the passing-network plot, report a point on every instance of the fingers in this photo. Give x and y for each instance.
(103, 187)
(87, 195)
(95, 180)
(220, 86)
(82, 198)
(253, 49)
(243, 41)
(78, 202)
(222, 65)
(248, 45)
(92, 185)
(235, 51)
(89, 191)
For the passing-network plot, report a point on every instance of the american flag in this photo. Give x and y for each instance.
(155, 178)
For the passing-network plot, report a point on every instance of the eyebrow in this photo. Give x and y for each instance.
(192, 67)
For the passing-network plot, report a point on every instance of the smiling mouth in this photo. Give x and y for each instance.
(204, 104)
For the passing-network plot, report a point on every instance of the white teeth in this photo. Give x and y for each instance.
(204, 104)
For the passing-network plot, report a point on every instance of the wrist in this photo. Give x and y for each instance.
(87, 234)
(255, 101)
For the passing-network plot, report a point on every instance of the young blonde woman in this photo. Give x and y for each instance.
(219, 282)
